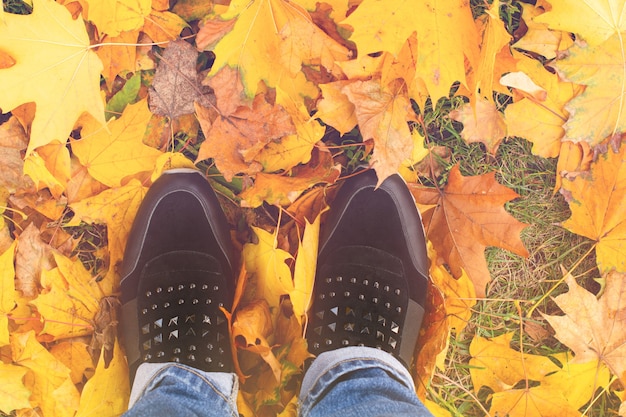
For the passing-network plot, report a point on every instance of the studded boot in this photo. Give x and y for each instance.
(372, 270)
(178, 270)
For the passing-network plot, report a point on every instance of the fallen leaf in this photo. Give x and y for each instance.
(52, 389)
(118, 54)
(538, 38)
(532, 402)
(101, 397)
(7, 293)
(74, 355)
(467, 218)
(304, 271)
(282, 190)
(113, 153)
(495, 365)
(598, 198)
(383, 113)
(335, 108)
(595, 21)
(31, 257)
(273, 28)
(56, 69)
(175, 86)
(481, 123)
(13, 394)
(251, 328)
(266, 263)
(115, 16)
(163, 26)
(594, 327)
(240, 132)
(597, 112)
(545, 128)
(13, 141)
(446, 35)
(116, 208)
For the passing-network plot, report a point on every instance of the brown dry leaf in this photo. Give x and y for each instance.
(7, 292)
(598, 198)
(481, 123)
(383, 112)
(32, 256)
(251, 328)
(469, 216)
(594, 328)
(175, 87)
(211, 31)
(13, 141)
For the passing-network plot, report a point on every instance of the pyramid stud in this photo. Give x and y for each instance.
(382, 321)
(320, 315)
(158, 323)
(350, 312)
(334, 310)
(392, 342)
(380, 336)
(349, 327)
(318, 330)
(147, 345)
(365, 330)
(158, 339)
(145, 329)
(395, 327)
(173, 321)
(367, 316)
(220, 320)
(332, 327)
(190, 318)
(173, 335)
(190, 332)
(206, 319)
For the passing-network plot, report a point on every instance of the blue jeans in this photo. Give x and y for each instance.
(347, 382)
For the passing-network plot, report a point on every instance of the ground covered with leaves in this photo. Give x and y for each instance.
(505, 118)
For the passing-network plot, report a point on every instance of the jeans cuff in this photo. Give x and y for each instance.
(332, 365)
(227, 384)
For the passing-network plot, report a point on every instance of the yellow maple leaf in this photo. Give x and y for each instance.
(545, 129)
(446, 35)
(52, 387)
(594, 20)
(532, 402)
(107, 391)
(538, 38)
(382, 113)
(495, 365)
(495, 38)
(63, 316)
(304, 271)
(7, 292)
(599, 111)
(266, 262)
(598, 198)
(112, 154)
(271, 40)
(13, 394)
(55, 68)
(115, 207)
(115, 16)
(335, 108)
(74, 355)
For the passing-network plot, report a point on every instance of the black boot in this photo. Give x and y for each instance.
(178, 270)
(372, 270)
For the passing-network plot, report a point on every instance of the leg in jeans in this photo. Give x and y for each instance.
(176, 274)
(368, 298)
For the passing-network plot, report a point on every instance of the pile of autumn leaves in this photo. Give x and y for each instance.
(89, 67)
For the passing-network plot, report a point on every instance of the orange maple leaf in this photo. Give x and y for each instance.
(467, 217)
